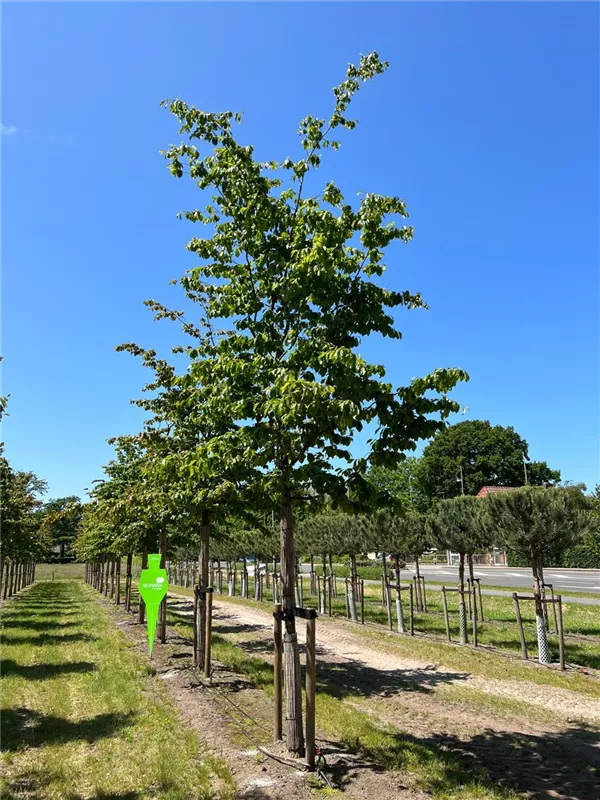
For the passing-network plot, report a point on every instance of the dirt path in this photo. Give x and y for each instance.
(338, 642)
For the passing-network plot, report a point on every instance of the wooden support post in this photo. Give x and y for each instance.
(112, 578)
(550, 586)
(118, 579)
(277, 670)
(479, 598)
(424, 595)
(362, 601)
(474, 590)
(311, 688)
(388, 599)
(411, 611)
(207, 640)
(347, 598)
(128, 578)
(196, 643)
(470, 594)
(446, 618)
(561, 635)
(520, 626)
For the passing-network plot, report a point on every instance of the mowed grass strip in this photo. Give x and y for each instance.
(81, 715)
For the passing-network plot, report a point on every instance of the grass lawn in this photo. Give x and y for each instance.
(82, 717)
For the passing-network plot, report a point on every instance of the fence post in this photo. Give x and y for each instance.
(479, 596)
(561, 635)
(207, 641)
(446, 619)
(277, 669)
(475, 641)
(311, 688)
(411, 611)
(520, 625)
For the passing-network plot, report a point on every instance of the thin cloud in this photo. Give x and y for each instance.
(8, 130)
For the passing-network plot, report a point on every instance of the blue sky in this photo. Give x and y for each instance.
(486, 123)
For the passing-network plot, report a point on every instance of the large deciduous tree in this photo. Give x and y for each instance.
(488, 455)
(288, 286)
(61, 520)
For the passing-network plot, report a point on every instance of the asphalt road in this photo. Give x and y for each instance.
(572, 580)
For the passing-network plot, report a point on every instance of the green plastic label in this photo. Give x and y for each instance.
(153, 587)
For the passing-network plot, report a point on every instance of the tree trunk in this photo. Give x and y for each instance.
(462, 611)
(203, 558)
(291, 653)
(142, 605)
(540, 619)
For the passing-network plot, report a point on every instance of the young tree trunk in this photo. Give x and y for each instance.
(540, 619)
(291, 653)
(462, 610)
(203, 559)
(142, 605)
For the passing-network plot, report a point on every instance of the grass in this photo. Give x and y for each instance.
(48, 572)
(82, 717)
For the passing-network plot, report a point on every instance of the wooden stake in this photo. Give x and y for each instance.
(474, 615)
(411, 611)
(277, 668)
(388, 599)
(207, 642)
(311, 689)
(561, 635)
(520, 626)
(480, 601)
(446, 619)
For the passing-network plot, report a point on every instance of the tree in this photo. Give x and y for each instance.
(488, 455)
(21, 539)
(534, 521)
(400, 484)
(61, 521)
(458, 524)
(288, 287)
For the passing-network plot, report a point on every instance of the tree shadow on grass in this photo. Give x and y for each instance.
(48, 638)
(22, 727)
(38, 625)
(43, 672)
(545, 767)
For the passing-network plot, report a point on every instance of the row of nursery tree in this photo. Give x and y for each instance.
(250, 423)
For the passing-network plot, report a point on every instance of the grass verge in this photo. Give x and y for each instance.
(81, 715)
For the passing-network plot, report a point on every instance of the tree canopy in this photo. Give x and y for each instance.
(489, 456)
